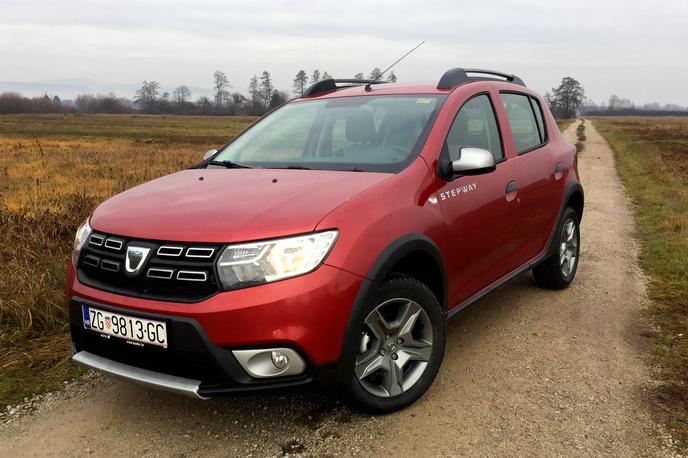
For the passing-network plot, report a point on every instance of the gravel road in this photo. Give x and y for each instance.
(526, 372)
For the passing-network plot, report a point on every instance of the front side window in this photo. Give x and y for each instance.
(365, 133)
(524, 126)
(475, 126)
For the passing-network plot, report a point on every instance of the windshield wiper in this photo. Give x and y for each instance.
(230, 164)
(292, 167)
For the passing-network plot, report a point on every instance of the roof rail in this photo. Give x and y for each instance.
(331, 85)
(456, 76)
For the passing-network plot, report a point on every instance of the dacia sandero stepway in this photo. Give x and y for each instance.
(330, 241)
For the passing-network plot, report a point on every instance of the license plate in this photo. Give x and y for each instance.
(137, 331)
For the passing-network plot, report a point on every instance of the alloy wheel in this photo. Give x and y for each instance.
(395, 347)
(568, 248)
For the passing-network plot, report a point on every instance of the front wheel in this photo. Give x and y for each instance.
(402, 337)
(559, 270)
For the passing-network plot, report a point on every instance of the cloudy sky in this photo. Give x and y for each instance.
(635, 49)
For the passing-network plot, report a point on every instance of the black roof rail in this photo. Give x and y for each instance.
(331, 85)
(456, 76)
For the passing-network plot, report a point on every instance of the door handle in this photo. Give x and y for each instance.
(511, 187)
(558, 170)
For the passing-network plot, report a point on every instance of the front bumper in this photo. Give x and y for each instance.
(308, 314)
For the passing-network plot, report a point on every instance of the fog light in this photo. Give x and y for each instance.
(270, 362)
(279, 359)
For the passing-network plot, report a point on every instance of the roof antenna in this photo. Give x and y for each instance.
(367, 86)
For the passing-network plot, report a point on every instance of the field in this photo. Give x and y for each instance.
(652, 155)
(53, 171)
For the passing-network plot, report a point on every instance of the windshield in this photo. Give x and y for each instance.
(365, 133)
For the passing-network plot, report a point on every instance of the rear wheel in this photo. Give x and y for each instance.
(559, 270)
(402, 336)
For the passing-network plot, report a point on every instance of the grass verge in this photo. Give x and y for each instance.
(652, 161)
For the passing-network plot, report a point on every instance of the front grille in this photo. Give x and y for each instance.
(173, 271)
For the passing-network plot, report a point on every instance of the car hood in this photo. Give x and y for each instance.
(227, 205)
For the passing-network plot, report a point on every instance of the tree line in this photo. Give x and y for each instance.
(569, 100)
(262, 96)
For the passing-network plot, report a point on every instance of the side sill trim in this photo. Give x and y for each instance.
(508, 277)
(145, 377)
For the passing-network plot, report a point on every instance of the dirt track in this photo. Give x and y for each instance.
(526, 372)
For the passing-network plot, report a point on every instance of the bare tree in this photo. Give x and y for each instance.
(326, 76)
(392, 78)
(316, 76)
(300, 82)
(221, 84)
(617, 103)
(147, 96)
(181, 95)
(375, 74)
(204, 103)
(254, 90)
(266, 88)
(359, 76)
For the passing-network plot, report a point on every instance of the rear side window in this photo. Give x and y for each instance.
(475, 126)
(538, 117)
(526, 127)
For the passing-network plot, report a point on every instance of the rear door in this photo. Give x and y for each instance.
(538, 171)
(479, 211)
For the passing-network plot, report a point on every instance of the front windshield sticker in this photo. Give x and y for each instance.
(424, 101)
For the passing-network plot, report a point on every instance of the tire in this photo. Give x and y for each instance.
(558, 270)
(398, 356)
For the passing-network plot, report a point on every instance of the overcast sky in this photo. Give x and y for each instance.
(636, 49)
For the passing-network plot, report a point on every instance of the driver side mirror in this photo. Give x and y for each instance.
(473, 161)
(208, 154)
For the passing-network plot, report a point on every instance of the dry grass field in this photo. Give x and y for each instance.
(53, 171)
(652, 160)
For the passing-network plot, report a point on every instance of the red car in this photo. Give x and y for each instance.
(330, 241)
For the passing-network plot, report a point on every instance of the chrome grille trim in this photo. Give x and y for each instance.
(177, 250)
(96, 240)
(195, 252)
(191, 275)
(162, 274)
(114, 244)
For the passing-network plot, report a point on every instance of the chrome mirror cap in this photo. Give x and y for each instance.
(473, 161)
(208, 154)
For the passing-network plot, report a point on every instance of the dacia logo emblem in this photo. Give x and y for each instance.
(135, 260)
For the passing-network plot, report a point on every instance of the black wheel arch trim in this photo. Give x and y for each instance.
(393, 253)
(403, 246)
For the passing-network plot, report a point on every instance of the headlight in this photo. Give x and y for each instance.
(262, 262)
(82, 235)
